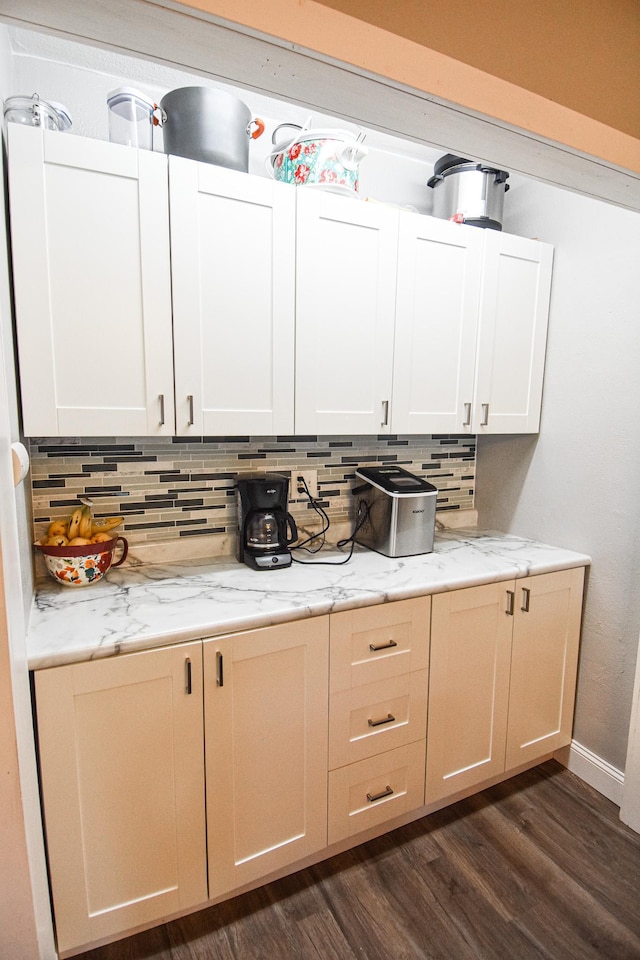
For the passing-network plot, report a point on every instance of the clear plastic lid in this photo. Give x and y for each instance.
(126, 101)
(37, 112)
(63, 115)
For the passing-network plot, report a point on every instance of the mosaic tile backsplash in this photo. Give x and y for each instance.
(171, 488)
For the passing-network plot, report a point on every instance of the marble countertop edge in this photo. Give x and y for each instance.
(142, 606)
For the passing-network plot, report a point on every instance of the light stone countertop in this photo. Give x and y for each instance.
(136, 607)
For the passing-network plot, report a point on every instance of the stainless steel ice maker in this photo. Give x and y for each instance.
(400, 511)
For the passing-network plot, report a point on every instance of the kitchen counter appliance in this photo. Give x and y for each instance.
(265, 528)
(401, 511)
(468, 192)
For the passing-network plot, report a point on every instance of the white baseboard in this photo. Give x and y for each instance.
(591, 768)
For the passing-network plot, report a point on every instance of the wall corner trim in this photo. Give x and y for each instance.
(598, 773)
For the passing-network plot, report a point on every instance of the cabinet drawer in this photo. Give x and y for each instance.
(372, 791)
(378, 642)
(377, 717)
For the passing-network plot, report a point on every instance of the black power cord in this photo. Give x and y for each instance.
(362, 513)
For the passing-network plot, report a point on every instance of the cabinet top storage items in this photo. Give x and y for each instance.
(164, 296)
(146, 606)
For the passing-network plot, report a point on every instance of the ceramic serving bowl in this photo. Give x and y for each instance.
(81, 565)
(321, 158)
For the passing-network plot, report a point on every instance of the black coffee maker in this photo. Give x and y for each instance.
(265, 528)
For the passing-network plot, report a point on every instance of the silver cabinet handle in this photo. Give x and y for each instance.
(382, 646)
(467, 415)
(187, 668)
(385, 414)
(526, 599)
(378, 796)
(190, 402)
(161, 399)
(219, 669)
(510, 603)
(376, 723)
(485, 415)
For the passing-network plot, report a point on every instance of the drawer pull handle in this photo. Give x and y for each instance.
(485, 415)
(382, 646)
(161, 401)
(510, 603)
(379, 796)
(376, 723)
(467, 415)
(526, 599)
(219, 669)
(190, 422)
(188, 687)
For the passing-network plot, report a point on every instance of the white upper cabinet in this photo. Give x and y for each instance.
(436, 321)
(294, 310)
(471, 329)
(233, 275)
(345, 309)
(512, 338)
(90, 240)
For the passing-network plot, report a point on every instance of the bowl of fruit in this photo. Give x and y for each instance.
(79, 551)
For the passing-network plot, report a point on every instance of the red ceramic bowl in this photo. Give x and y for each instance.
(78, 566)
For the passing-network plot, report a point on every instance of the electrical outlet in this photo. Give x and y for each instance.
(310, 477)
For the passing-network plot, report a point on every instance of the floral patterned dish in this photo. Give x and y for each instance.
(320, 160)
(81, 565)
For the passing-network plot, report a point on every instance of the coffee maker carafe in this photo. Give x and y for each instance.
(265, 528)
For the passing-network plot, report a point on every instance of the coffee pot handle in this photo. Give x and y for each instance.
(293, 530)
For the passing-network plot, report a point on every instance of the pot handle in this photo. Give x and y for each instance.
(255, 128)
(125, 551)
(292, 126)
(432, 182)
(159, 116)
(350, 155)
(500, 175)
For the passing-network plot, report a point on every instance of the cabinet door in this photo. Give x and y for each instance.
(122, 770)
(546, 634)
(469, 688)
(266, 750)
(514, 314)
(233, 275)
(436, 322)
(345, 307)
(90, 240)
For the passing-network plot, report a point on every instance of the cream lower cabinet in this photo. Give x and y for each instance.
(122, 773)
(314, 731)
(377, 714)
(266, 750)
(502, 677)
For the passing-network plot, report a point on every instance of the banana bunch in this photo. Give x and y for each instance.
(81, 528)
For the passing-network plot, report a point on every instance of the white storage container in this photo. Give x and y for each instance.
(131, 118)
(35, 112)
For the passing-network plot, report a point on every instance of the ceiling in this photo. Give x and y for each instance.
(165, 32)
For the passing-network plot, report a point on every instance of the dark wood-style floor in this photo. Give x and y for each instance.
(537, 867)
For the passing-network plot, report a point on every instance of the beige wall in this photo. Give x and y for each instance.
(584, 54)
(383, 51)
